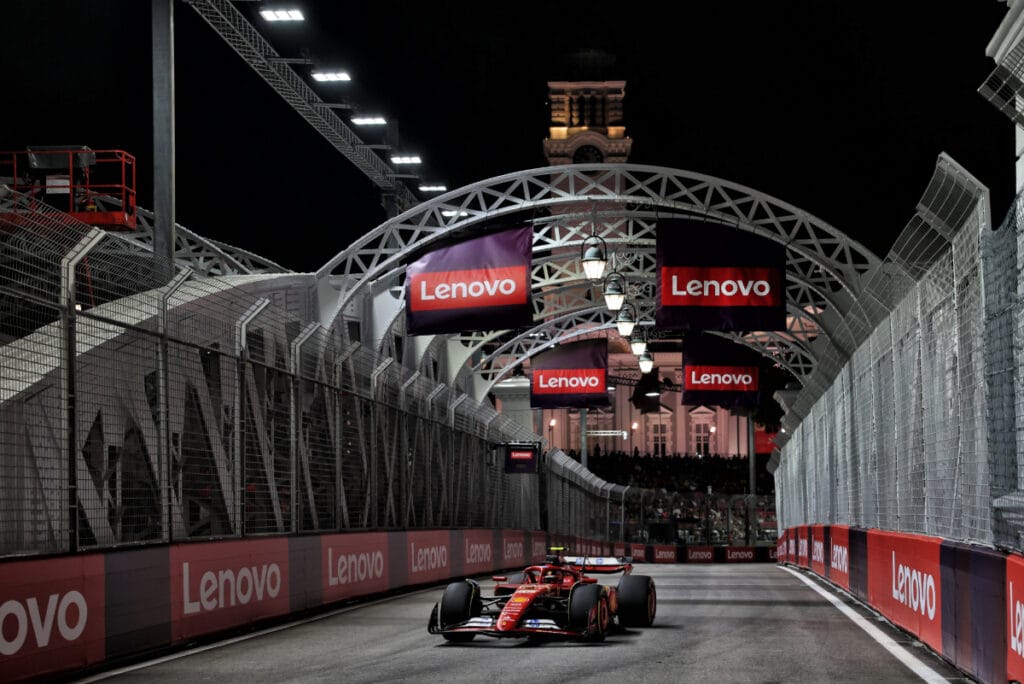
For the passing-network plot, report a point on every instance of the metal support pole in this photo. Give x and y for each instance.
(68, 264)
(752, 466)
(163, 138)
(583, 437)
(165, 462)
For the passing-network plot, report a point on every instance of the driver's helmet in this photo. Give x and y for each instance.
(551, 577)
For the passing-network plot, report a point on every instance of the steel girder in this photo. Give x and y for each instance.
(232, 26)
(204, 256)
(621, 203)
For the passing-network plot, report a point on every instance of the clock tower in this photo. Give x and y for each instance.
(586, 123)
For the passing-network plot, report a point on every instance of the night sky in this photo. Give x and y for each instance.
(838, 108)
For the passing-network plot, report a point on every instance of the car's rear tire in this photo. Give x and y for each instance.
(460, 601)
(638, 601)
(588, 611)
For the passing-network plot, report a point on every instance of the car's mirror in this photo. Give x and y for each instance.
(499, 578)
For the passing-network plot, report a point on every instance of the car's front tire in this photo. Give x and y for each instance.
(460, 602)
(588, 611)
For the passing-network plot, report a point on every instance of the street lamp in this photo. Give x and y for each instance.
(551, 432)
(593, 256)
(626, 320)
(614, 291)
(646, 362)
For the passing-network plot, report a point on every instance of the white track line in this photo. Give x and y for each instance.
(888, 643)
(244, 637)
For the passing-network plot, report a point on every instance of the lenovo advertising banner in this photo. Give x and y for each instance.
(428, 556)
(1015, 618)
(739, 554)
(479, 284)
(664, 554)
(839, 556)
(354, 564)
(715, 277)
(219, 585)
(717, 372)
(818, 550)
(803, 544)
(51, 615)
(700, 554)
(571, 375)
(905, 582)
(521, 457)
(513, 551)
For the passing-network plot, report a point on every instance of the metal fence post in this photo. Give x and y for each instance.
(67, 311)
(242, 358)
(165, 462)
(296, 430)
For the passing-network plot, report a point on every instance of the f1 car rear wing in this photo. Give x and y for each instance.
(601, 564)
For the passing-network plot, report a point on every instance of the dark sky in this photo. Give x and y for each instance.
(838, 108)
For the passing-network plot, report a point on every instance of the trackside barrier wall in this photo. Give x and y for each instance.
(65, 613)
(965, 602)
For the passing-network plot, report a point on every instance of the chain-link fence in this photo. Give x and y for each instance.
(136, 411)
(917, 432)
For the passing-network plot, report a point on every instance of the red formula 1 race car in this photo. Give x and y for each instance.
(555, 600)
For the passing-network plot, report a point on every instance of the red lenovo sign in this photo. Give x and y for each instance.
(51, 615)
(723, 378)
(700, 554)
(478, 287)
(904, 582)
(839, 556)
(719, 286)
(221, 585)
(353, 564)
(1015, 618)
(569, 381)
(742, 554)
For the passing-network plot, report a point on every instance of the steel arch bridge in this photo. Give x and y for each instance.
(621, 203)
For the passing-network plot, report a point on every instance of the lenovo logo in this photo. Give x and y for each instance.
(699, 554)
(802, 548)
(840, 559)
(498, 286)
(513, 550)
(540, 548)
(1016, 625)
(228, 588)
(68, 612)
(719, 286)
(354, 567)
(665, 554)
(729, 378)
(569, 380)
(913, 588)
(428, 558)
(818, 552)
(739, 554)
(478, 553)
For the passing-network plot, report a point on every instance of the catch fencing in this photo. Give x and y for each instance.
(135, 411)
(918, 431)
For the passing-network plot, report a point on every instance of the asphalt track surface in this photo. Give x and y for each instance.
(715, 623)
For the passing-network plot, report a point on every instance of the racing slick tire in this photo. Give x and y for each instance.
(459, 602)
(588, 611)
(638, 601)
